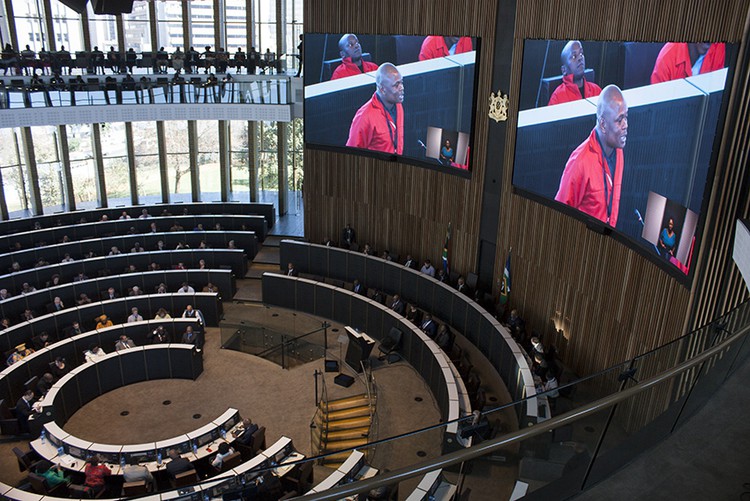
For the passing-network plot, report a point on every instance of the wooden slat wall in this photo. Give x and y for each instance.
(609, 302)
(402, 208)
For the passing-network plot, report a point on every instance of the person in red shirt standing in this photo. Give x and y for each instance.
(434, 47)
(592, 178)
(574, 85)
(351, 58)
(379, 124)
(95, 474)
(680, 60)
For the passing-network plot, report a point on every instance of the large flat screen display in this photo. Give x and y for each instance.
(624, 135)
(396, 97)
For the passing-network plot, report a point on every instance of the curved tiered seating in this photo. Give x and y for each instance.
(147, 282)
(95, 215)
(234, 259)
(491, 338)
(117, 310)
(55, 253)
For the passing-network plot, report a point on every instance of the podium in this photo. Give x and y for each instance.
(359, 349)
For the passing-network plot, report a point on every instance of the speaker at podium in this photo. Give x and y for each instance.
(359, 349)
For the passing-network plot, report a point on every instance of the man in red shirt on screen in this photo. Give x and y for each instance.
(680, 60)
(351, 58)
(379, 124)
(434, 47)
(592, 178)
(574, 85)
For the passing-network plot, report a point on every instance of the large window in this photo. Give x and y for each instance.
(14, 172)
(293, 30)
(82, 166)
(138, 29)
(208, 160)
(239, 161)
(178, 160)
(268, 165)
(103, 30)
(67, 26)
(49, 168)
(169, 17)
(146, 150)
(295, 173)
(116, 170)
(265, 23)
(202, 24)
(236, 27)
(30, 27)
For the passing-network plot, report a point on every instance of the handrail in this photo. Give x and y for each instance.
(496, 444)
(287, 342)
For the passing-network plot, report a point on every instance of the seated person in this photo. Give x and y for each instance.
(104, 322)
(185, 289)
(210, 288)
(135, 291)
(110, 294)
(444, 338)
(42, 341)
(158, 335)
(135, 472)
(21, 352)
(178, 464)
(59, 368)
(574, 85)
(429, 326)
(134, 316)
(192, 337)
(95, 475)
(244, 436)
(224, 451)
(414, 315)
(44, 384)
(53, 474)
(352, 63)
(162, 314)
(191, 312)
(93, 353)
(124, 343)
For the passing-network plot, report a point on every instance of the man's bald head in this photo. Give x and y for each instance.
(612, 118)
(390, 85)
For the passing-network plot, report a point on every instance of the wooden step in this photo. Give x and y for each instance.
(348, 413)
(345, 403)
(346, 424)
(359, 432)
(343, 444)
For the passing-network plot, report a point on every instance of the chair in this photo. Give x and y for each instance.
(189, 477)
(300, 478)
(40, 486)
(389, 346)
(231, 461)
(84, 492)
(26, 460)
(259, 443)
(137, 488)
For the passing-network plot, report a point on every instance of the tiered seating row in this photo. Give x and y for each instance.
(244, 240)
(101, 229)
(95, 215)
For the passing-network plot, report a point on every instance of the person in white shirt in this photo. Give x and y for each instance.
(428, 269)
(224, 451)
(185, 289)
(134, 316)
(94, 353)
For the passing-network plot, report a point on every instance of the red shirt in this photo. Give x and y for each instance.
(347, 68)
(582, 181)
(673, 61)
(568, 91)
(434, 47)
(95, 474)
(373, 129)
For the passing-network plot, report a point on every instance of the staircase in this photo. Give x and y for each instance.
(343, 424)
